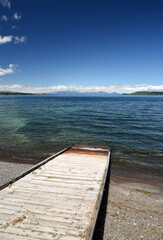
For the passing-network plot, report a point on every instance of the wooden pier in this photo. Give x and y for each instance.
(57, 199)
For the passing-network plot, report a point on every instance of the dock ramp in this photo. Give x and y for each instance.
(58, 199)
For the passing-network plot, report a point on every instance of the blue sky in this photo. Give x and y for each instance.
(84, 45)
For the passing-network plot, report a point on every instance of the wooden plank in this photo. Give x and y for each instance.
(58, 199)
(33, 168)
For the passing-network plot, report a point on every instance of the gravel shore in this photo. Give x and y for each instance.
(133, 212)
(130, 211)
(10, 170)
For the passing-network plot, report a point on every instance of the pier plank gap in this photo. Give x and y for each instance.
(58, 198)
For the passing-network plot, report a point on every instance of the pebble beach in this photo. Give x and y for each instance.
(134, 211)
(131, 209)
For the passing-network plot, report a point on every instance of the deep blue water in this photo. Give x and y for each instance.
(38, 126)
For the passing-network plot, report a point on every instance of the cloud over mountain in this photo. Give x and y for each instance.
(82, 89)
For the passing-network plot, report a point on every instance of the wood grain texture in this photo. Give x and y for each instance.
(59, 200)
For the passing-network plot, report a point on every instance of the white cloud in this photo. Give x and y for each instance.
(5, 39)
(20, 39)
(16, 16)
(5, 3)
(14, 27)
(4, 18)
(107, 89)
(9, 70)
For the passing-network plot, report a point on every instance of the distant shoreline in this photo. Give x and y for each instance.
(20, 93)
(15, 93)
(86, 94)
(146, 93)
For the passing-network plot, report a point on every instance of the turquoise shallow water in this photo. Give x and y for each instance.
(37, 126)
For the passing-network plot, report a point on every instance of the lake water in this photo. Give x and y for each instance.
(34, 127)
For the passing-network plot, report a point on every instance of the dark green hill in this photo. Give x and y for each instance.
(15, 93)
(144, 93)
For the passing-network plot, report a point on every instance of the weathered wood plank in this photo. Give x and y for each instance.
(58, 199)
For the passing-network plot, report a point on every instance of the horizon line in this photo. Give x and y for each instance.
(120, 89)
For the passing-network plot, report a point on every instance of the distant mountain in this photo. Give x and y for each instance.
(144, 93)
(66, 94)
(82, 94)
